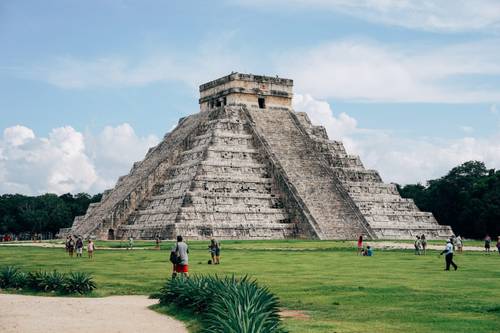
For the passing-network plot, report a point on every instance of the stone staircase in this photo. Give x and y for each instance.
(332, 213)
(389, 215)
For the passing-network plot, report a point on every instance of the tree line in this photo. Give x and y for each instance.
(46, 213)
(467, 198)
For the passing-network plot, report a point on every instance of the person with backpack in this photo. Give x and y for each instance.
(179, 258)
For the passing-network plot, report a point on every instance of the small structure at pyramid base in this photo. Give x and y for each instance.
(249, 167)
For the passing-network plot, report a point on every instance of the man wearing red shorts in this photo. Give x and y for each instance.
(181, 250)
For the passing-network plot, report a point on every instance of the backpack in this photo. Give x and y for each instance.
(174, 258)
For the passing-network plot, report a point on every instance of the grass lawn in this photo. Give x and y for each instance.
(394, 291)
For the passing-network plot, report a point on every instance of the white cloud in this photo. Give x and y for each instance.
(398, 159)
(17, 135)
(431, 15)
(369, 71)
(213, 58)
(67, 160)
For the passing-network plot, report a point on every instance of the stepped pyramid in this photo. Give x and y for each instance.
(249, 167)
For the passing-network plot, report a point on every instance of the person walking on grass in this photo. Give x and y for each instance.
(487, 244)
(423, 242)
(498, 245)
(360, 245)
(417, 245)
(90, 248)
(79, 247)
(448, 252)
(130, 243)
(179, 258)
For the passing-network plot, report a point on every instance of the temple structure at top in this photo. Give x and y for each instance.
(250, 167)
(255, 91)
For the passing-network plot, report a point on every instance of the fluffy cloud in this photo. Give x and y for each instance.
(431, 15)
(67, 160)
(369, 71)
(399, 159)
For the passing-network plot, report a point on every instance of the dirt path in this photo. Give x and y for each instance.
(115, 314)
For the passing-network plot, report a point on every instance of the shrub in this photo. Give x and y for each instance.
(35, 280)
(20, 280)
(53, 281)
(79, 282)
(8, 276)
(226, 304)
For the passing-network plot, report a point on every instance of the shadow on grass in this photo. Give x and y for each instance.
(187, 317)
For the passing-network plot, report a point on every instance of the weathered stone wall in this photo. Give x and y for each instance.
(239, 171)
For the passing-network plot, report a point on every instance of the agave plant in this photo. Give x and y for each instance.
(53, 281)
(236, 305)
(20, 280)
(8, 276)
(79, 282)
(35, 280)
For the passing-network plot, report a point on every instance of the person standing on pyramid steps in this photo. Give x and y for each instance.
(360, 245)
(448, 251)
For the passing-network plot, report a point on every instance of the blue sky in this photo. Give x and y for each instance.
(411, 86)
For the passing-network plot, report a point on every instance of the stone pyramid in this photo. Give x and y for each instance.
(249, 167)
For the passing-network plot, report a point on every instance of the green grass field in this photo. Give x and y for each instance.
(394, 291)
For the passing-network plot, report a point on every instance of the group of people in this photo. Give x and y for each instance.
(179, 256)
(487, 244)
(368, 252)
(420, 245)
(75, 244)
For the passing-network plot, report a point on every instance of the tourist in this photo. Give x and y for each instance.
(215, 251)
(498, 245)
(66, 244)
(423, 242)
(460, 244)
(157, 242)
(360, 245)
(487, 244)
(130, 243)
(180, 250)
(417, 245)
(71, 246)
(90, 248)
(79, 247)
(448, 251)
(369, 251)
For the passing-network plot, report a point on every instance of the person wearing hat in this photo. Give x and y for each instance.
(448, 252)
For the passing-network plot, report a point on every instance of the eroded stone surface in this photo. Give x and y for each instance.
(250, 168)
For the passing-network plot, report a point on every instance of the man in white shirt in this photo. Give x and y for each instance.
(448, 251)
